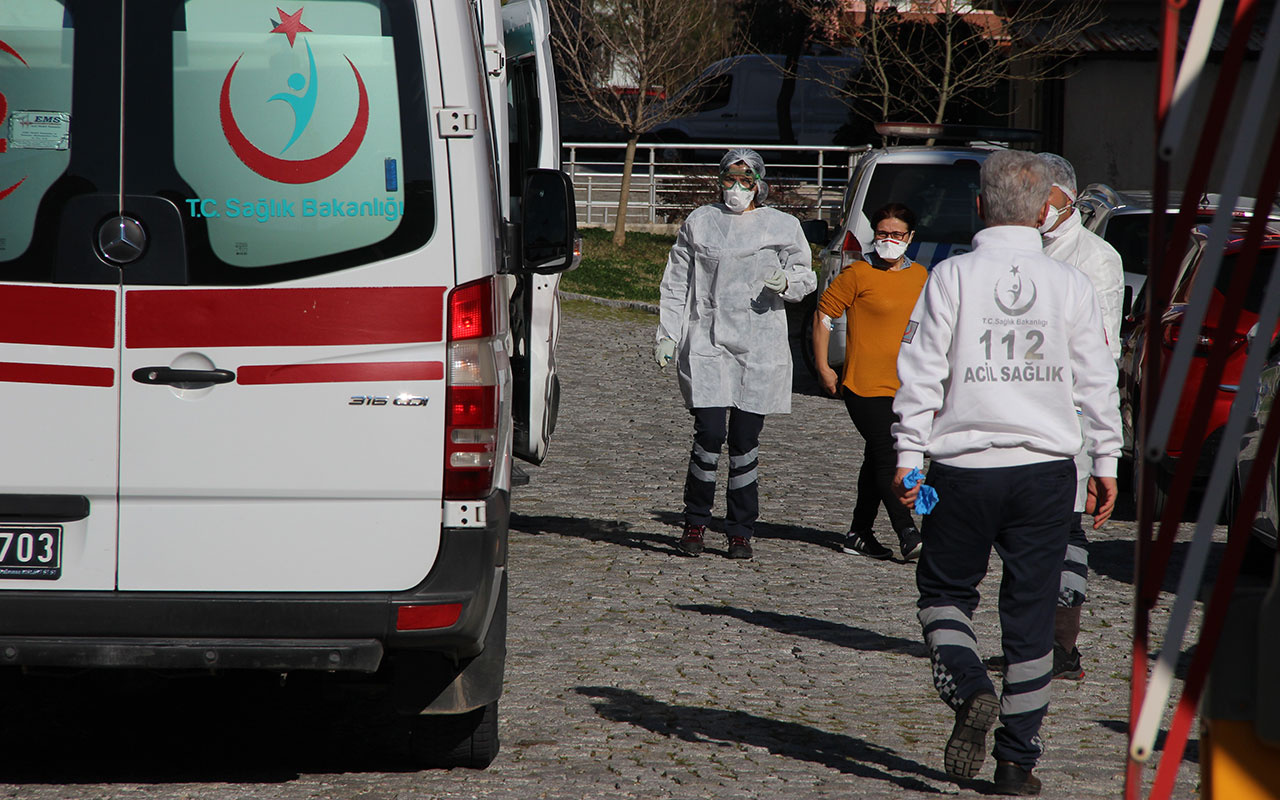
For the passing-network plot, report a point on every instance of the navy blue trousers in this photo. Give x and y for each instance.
(873, 417)
(742, 498)
(1024, 512)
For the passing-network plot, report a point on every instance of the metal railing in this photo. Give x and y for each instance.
(670, 180)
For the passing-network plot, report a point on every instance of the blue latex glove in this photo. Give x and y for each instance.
(928, 496)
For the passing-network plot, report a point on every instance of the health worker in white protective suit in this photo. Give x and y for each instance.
(723, 322)
(1067, 239)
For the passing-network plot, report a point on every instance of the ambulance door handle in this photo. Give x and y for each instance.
(170, 376)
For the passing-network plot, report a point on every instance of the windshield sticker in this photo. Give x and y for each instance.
(282, 170)
(265, 210)
(40, 130)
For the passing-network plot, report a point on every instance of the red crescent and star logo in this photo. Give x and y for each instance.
(4, 112)
(293, 171)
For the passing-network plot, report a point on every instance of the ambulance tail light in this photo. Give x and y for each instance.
(471, 399)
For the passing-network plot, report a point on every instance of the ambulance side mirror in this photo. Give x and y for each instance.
(549, 229)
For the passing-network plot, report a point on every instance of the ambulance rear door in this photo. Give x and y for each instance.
(282, 383)
(59, 295)
(534, 143)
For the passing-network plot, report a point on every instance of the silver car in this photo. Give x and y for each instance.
(940, 184)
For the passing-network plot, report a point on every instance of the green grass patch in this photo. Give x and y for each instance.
(631, 272)
(627, 273)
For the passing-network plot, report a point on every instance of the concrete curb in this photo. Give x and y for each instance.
(635, 305)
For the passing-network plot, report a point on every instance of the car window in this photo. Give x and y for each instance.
(714, 93)
(37, 45)
(299, 139)
(941, 195)
(1257, 282)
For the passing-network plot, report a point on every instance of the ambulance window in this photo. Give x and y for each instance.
(524, 120)
(36, 46)
(298, 136)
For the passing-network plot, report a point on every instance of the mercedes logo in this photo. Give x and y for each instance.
(121, 240)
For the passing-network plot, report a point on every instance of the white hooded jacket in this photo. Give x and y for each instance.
(1088, 252)
(1003, 346)
(731, 332)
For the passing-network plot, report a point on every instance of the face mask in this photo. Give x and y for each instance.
(738, 198)
(1050, 219)
(890, 249)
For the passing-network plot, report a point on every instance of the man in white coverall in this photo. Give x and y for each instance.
(1003, 346)
(1067, 239)
(722, 320)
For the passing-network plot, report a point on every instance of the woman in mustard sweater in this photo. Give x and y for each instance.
(877, 295)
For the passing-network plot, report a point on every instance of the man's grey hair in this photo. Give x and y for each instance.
(1061, 171)
(1015, 187)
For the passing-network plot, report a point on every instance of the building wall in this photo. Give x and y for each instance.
(1108, 128)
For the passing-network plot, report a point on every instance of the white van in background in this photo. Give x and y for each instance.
(739, 101)
(266, 341)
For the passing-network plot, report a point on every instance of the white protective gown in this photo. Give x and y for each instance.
(1088, 252)
(731, 332)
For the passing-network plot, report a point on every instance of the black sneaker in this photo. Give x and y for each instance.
(739, 547)
(1013, 779)
(691, 542)
(863, 543)
(909, 543)
(1067, 665)
(967, 747)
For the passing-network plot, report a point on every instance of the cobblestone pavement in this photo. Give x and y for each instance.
(634, 672)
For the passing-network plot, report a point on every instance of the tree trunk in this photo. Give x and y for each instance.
(620, 224)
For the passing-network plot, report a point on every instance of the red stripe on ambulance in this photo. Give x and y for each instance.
(283, 317)
(54, 315)
(341, 373)
(56, 374)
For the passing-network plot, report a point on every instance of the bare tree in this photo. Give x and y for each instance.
(922, 57)
(650, 47)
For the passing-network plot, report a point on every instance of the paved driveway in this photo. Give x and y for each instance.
(632, 672)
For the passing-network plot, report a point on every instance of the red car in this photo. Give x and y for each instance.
(1131, 357)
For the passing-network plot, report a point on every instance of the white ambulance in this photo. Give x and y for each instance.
(269, 339)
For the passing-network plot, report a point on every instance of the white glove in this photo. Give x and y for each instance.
(665, 351)
(777, 282)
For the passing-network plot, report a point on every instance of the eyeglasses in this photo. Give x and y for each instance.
(899, 235)
(745, 181)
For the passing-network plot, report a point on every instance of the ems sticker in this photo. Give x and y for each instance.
(301, 98)
(911, 331)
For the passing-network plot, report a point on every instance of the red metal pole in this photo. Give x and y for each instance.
(1215, 614)
(1141, 614)
(1173, 251)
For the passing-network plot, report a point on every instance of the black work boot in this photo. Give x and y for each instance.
(739, 547)
(691, 541)
(1015, 780)
(967, 747)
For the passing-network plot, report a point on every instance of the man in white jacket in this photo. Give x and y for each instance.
(1003, 346)
(1067, 239)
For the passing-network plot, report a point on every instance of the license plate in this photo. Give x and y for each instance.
(31, 552)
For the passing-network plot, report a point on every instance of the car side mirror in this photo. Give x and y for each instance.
(549, 229)
(1128, 301)
(816, 231)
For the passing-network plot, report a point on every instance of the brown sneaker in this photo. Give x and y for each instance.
(1012, 779)
(691, 541)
